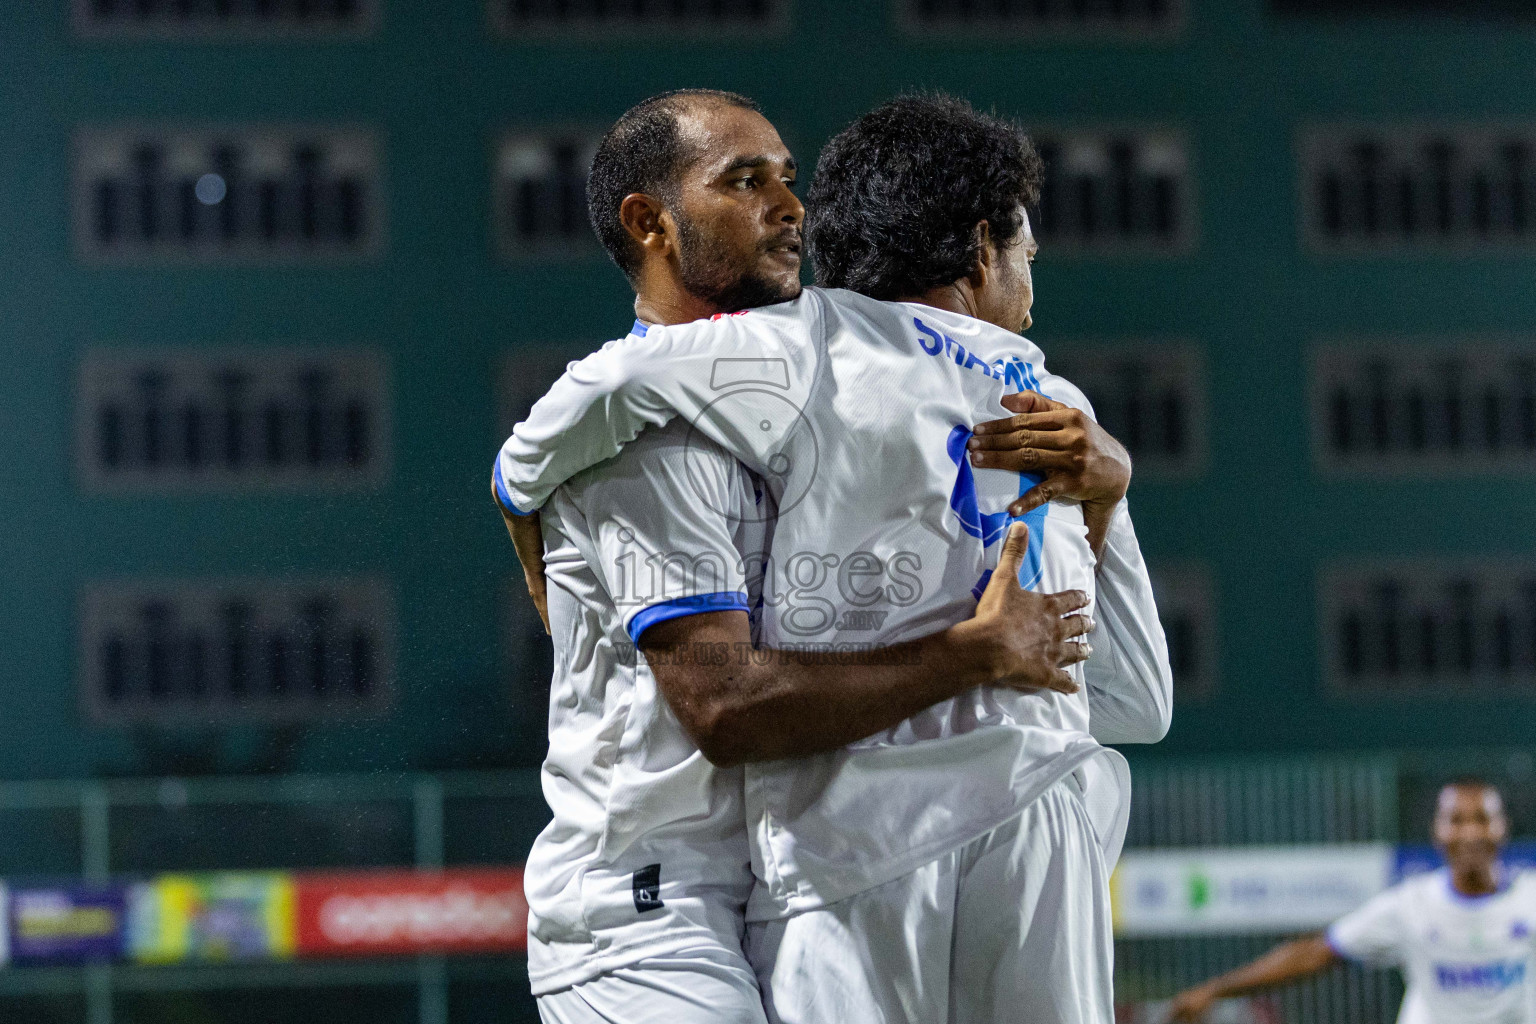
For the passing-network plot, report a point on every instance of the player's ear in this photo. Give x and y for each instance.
(646, 221)
(986, 257)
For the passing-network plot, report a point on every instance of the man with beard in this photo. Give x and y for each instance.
(637, 887)
(953, 866)
(1462, 936)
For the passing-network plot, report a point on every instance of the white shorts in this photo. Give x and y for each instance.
(706, 986)
(1012, 928)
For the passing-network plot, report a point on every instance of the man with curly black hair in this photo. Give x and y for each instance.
(910, 198)
(952, 866)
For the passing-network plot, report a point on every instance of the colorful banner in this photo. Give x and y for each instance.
(1245, 890)
(392, 912)
(64, 924)
(212, 917)
(232, 916)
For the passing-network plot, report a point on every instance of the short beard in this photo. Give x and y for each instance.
(709, 274)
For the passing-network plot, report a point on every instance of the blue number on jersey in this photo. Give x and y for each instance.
(991, 527)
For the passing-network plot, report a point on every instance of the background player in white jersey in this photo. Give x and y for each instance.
(950, 868)
(638, 884)
(1462, 936)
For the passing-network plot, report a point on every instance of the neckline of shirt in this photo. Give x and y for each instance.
(1460, 897)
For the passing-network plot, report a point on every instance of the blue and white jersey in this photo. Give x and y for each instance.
(1466, 960)
(855, 414)
(646, 853)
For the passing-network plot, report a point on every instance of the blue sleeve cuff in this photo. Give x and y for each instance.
(645, 618)
(501, 491)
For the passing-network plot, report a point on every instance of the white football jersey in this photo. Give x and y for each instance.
(1465, 960)
(855, 414)
(647, 851)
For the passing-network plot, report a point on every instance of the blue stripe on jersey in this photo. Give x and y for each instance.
(639, 329)
(697, 604)
(501, 491)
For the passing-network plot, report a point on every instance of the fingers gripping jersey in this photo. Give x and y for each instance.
(1466, 960)
(855, 413)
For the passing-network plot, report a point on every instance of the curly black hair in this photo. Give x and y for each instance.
(893, 209)
(642, 152)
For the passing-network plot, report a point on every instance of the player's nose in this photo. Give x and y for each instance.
(789, 209)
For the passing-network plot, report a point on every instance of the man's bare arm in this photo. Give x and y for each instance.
(528, 539)
(1288, 962)
(1079, 458)
(791, 704)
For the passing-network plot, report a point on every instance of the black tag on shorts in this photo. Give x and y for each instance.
(648, 888)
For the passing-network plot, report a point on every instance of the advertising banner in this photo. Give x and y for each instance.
(392, 912)
(64, 924)
(1245, 889)
(214, 917)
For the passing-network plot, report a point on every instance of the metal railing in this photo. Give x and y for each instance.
(1276, 800)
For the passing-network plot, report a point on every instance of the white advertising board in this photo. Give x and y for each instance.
(1242, 890)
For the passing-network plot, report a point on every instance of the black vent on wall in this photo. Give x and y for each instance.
(1114, 190)
(524, 15)
(1150, 397)
(1382, 409)
(217, 652)
(541, 195)
(1400, 628)
(217, 18)
(1124, 15)
(228, 195)
(233, 420)
(1184, 607)
(1396, 187)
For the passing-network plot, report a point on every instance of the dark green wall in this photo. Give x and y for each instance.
(446, 307)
